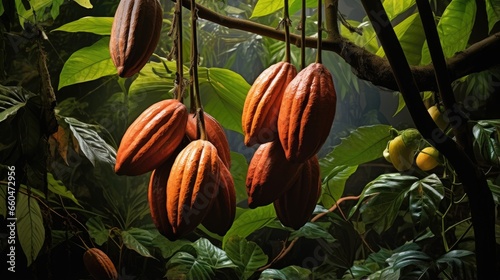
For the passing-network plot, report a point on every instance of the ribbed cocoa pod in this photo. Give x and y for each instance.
(134, 34)
(269, 174)
(262, 103)
(220, 218)
(99, 265)
(295, 206)
(192, 186)
(215, 134)
(151, 138)
(307, 112)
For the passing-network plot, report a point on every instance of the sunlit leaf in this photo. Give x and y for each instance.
(84, 3)
(30, 228)
(96, 25)
(247, 255)
(394, 8)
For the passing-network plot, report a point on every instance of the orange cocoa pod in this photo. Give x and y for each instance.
(99, 265)
(269, 174)
(262, 103)
(307, 112)
(296, 205)
(134, 34)
(221, 215)
(192, 186)
(215, 134)
(151, 138)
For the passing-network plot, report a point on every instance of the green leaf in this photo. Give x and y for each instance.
(266, 7)
(411, 36)
(425, 197)
(486, 146)
(12, 99)
(239, 168)
(454, 28)
(186, 266)
(393, 8)
(247, 255)
(1, 8)
(411, 257)
(30, 228)
(96, 25)
(91, 144)
(87, 64)
(137, 239)
(386, 195)
(97, 230)
(312, 231)
(289, 272)
(57, 187)
(334, 185)
(250, 221)
(167, 247)
(84, 3)
(363, 145)
(493, 11)
(211, 254)
(223, 94)
(38, 6)
(54, 11)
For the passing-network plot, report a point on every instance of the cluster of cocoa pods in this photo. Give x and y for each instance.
(289, 115)
(190, 183)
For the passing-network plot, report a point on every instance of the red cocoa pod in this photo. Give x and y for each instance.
(215, 134)
(192, 186)
(296, 205)
(220, 218)
(269, 174)
(151, 138)
(262, 103)
(307, 112)
(99, 265)
(135, 34)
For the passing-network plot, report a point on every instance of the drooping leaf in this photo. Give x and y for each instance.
(289, 272)
(454, 28)
(87, 64)
(211, 254)
(97, 230)
(250, 221)
(84, 3)
(333, 186)
(90, 143)
(96, 25)
(247, 255)
(137, 239)
(30, 228)
(12, 99)
(239, 167)
(184, 265)
(57, 187)
(425, 196)
(363, 145)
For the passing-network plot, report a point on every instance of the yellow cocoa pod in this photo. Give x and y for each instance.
(427, 158)
(402, 149)
(438, 117)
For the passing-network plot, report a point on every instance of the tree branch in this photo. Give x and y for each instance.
(368, 66)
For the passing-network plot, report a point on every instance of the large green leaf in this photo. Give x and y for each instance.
(223, 94)
(96, 25)
(313, 231)
(394, 8)
(184, 265)
(289, 272)
(12, 99)
(87, 64)
(247, 255)
(27, 14)
(57, 187)
(454, 28)
(97, 230)
(250, 221)
(382, 199)
(137, 239)
(425, 196)
(411, 36)
(211, 254)
(486, 145)
(167, 247)
(267, 7)
(90, 143)
(333, 186)
(239, 168)
(363, 145)
(493, 11)
(30, 228)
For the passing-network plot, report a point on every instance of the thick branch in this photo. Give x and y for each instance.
(369, 66)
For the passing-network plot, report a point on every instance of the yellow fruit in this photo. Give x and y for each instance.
(402, 149)
(427, 158)
(438, 117)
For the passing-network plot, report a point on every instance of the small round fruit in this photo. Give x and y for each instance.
(427, 159)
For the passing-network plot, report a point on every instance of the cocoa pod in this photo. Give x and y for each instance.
(269, 174)
(220, 218)
(99, 265)
(307, 112)
(262, 103)
(151, 138)
(134, 34)
(215, 134)
(296, 205)
(192, 186)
